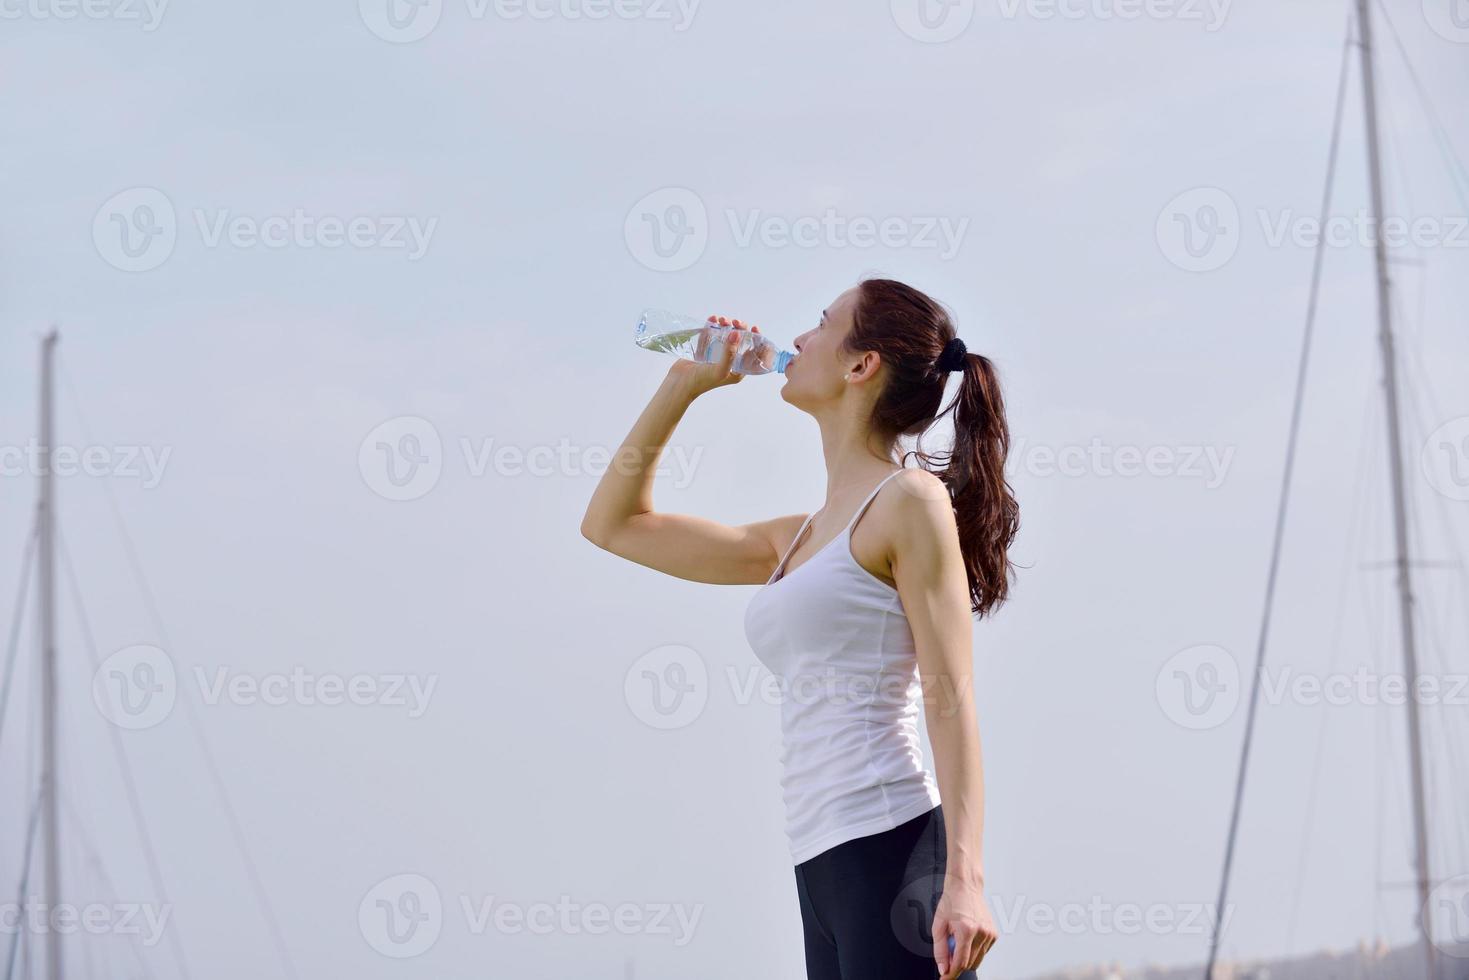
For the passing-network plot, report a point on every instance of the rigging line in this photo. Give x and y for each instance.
(216, 778)
(1452, 759)
(1334, 655)
(25, 882)
(89, 849)
(22, 592)
(1285, 485)
(124, 767)
(1441, 136)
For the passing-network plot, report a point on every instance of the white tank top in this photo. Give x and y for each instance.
(836, 638)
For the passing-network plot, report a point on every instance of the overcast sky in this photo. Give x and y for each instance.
(346, 295)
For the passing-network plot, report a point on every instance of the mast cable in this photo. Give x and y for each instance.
(124, 767)
(1279, 534)
(237, 830)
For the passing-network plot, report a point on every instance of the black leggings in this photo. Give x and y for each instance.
(867, 905)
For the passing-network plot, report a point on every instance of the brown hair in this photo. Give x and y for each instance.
(909, 331)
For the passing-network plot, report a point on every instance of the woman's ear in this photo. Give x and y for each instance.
(865, 367)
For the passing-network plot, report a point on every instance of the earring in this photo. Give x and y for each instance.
(847, 376)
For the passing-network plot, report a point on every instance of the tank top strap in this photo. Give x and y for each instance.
(862, 509)
(781, 565)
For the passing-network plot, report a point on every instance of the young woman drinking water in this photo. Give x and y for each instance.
(864, 610)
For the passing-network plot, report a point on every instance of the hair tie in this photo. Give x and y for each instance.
(952, 359)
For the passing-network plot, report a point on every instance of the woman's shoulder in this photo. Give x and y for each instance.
(918, 506)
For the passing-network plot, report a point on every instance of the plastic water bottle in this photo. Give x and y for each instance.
(695, 339)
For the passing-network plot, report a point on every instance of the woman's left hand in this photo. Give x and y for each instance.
(963, 914)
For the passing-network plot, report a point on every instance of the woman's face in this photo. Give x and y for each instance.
(815, 376)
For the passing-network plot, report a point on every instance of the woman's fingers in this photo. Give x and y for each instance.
(964, 952)
(943, 945)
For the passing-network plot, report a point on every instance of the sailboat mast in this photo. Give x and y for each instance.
(1399, 500)
(46, 569)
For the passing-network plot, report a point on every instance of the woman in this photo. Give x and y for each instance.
(858, 619)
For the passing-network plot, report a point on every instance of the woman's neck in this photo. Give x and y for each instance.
(854, 456)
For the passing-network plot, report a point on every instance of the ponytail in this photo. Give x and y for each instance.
(984, 504)
(913, 334)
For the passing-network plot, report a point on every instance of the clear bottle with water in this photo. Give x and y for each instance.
(696, 339)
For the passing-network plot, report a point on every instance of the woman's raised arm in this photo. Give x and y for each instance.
(620, 516)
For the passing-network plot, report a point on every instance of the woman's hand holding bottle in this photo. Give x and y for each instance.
(697, 377)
